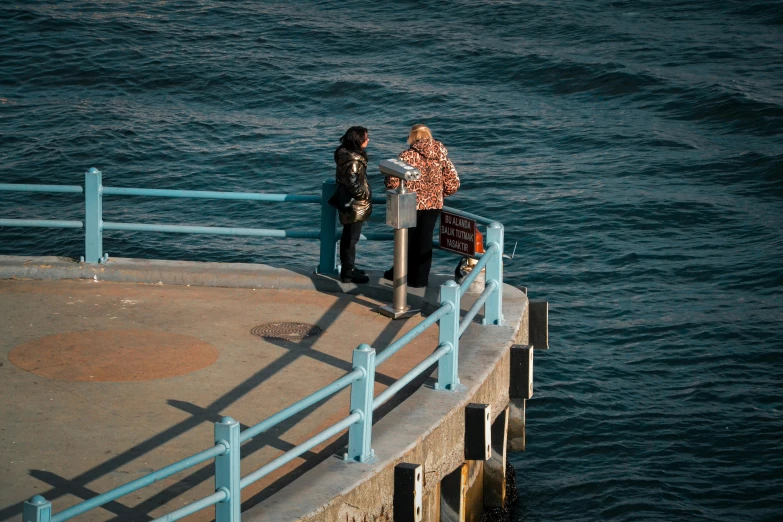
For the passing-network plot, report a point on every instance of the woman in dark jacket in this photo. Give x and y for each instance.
(353, 198)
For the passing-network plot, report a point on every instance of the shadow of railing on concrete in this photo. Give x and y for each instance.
(77, 486)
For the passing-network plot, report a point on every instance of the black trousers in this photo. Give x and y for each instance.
(348, 241)
(420, 247)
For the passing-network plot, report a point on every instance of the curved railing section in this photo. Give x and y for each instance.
(228, 438)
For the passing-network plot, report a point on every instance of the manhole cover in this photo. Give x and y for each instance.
(286, 331)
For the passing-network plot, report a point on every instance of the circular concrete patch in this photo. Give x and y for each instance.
(113, 355)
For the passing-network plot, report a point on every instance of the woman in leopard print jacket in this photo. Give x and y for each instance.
(439, 178)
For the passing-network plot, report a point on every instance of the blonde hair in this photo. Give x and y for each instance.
(419, 132)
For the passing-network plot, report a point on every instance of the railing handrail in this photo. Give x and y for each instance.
(146, 480)
(221, 495)
(417, 370)
(211, 194)
(26, 187)
(474, 272)
(41, 223)
(489, 288)
(299, 449)
(328, 390)
(412, 333)
(228, 436)
(215, 231)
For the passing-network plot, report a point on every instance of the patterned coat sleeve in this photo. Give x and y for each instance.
(450, 178)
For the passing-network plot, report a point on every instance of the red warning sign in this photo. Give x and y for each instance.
(458, 234)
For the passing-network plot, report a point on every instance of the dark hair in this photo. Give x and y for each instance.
(353, 139)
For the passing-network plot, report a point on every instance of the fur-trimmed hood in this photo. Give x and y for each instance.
(429, 148)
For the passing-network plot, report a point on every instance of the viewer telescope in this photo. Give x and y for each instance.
(400, 215)
(399, 169)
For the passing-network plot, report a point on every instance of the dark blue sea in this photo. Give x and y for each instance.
(632, 149)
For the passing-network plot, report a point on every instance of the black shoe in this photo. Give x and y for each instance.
(353, 275)
(389, 274)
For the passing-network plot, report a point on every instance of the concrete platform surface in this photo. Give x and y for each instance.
(103, 382)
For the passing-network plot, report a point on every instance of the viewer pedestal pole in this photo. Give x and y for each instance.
(399, 212)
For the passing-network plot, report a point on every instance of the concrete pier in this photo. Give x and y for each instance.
(111, 371)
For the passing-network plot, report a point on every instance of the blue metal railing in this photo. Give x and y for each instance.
(21, 187)
(94, 225)
(228, 437)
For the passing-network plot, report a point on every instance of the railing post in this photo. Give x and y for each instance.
(448, 326)
(362, 392)
(93, 216)
(37, 509)
(328, 263)
(493, 310)
(227, 473)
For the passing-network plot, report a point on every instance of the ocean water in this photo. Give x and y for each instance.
(632, 149)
